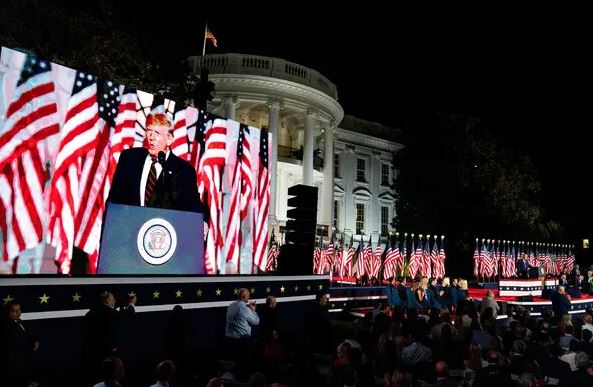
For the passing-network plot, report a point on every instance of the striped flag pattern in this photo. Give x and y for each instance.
(31, 117)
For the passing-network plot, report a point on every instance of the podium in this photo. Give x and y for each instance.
(153, 241)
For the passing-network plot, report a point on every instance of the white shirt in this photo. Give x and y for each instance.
(146, 171)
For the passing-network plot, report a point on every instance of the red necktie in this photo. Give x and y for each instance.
(150, 183)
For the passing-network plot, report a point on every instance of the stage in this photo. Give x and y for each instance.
(356, 301)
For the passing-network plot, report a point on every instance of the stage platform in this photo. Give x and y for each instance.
(526, 287)
(66, 297)
(356, 301)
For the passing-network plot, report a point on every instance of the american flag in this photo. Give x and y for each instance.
(329, 254)
(389, 266)
(404, 254)
(240, 187)
(347, 271)
(273, 253)
(125, 124)
(358, 259)
(83, 149)
(180, 144)
(96, 174)
(495, 258)
(442, 259)
(210, 36)
(511, 264)
(399, 258)
(376, 267)
(415, 260)
(426, 268)
(368, 258)
(317, 258)
(261, 203)
(339, 258)
(487, 261)
(532, 260)
(31, 117)
(477, 259)
(504, 271)
(210, 169)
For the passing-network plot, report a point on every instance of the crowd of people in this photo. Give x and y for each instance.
(429, 334)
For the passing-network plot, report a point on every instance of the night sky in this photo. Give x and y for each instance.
(527, 72)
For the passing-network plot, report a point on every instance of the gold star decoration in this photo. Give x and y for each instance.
(76, 297)
(252, 290)
(43, 299)
(268, 290)
(235, 291)
(309, 288)
(296, 288)
(178, 293)
(156, 294)
(131, 294)
(282, 289)
(320, 287)
(199, 292)
(218, 292)
(7, 299)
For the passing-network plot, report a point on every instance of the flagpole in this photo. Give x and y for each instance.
(204, 44)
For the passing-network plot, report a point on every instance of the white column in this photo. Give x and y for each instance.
(229, 104)
(308, 148)
(327, 189)
(273, 123)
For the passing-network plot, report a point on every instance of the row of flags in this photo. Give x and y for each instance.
(499, 258)
(61, 135)
(411, 257)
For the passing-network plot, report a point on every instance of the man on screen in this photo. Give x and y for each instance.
(154, 176)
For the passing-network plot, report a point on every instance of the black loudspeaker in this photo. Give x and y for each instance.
(528, 298)
(296, 255)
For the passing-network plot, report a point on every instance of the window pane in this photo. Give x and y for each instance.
(384, 220)
(359, 218)
(361, 169)
(385, 174)
(336, 208)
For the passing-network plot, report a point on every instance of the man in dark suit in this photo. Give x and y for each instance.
(143, 179)
(16, 347)
(523, 267)
(560, 302)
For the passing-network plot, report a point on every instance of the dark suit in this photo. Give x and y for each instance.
(176, 186)
(522, 268)
(560, 304)
(16, 352)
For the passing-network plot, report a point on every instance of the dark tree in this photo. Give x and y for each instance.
(456, 178)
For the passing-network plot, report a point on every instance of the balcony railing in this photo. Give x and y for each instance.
(265, 66)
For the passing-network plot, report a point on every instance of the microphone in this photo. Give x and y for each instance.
(161, 157)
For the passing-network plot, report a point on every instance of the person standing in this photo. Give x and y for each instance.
(489, 302)
(560, 302)
(17, 347)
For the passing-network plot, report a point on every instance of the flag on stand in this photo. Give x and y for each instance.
(477, 259)
(273, 252)
(347, 271)
(261, 195)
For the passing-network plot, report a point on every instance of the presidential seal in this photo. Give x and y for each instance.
(157, 241)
